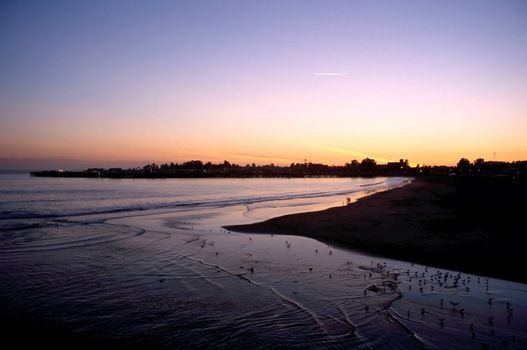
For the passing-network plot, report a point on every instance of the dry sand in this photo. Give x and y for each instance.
(467, 224)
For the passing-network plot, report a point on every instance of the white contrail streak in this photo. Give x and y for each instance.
(329, 74)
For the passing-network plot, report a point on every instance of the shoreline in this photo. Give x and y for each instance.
(205, 175)
(465, 224)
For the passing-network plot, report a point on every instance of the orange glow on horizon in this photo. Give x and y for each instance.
(280, 153)
(369, 80)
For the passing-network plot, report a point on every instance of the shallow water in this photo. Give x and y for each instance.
(146, 262)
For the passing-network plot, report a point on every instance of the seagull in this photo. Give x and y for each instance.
(454, 304)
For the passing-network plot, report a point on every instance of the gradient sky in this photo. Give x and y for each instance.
(264, 81)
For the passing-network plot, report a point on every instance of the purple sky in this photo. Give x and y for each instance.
(264, 81)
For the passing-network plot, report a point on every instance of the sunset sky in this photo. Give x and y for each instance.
(263, 81)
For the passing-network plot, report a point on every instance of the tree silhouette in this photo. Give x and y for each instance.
(463, 165)
(368, 163)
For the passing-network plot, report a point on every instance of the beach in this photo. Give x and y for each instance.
(148, 263)
(466, 224)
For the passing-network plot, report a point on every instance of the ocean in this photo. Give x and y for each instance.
(146, 263)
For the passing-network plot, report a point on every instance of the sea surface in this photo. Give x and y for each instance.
(146, 263)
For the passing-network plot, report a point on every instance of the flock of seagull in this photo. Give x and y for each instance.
(424, 282)
(430, 282)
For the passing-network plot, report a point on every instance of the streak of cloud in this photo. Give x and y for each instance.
(351, 152)
(265, 158)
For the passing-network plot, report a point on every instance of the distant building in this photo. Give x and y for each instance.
(402, 164)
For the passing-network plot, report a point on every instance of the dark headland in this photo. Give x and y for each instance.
(470, 224)
(367, 167)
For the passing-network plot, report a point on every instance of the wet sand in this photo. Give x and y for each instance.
(467, 224)
(173, 277)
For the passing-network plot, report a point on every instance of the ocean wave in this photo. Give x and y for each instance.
(63, 212)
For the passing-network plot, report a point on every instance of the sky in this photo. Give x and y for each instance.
(263, 81)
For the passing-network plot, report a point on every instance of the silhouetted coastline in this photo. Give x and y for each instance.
(465, 217)
(366, 167)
